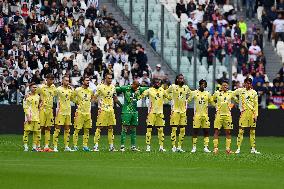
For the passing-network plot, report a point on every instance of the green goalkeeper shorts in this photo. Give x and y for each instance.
(129, 119)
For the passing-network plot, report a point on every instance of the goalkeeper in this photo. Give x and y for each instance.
(129, 112)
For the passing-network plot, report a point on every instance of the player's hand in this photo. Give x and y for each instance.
(254, 118)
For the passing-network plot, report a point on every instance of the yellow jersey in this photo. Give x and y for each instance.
(31, 107)
(82, 97)
(46, 96)
(248, 100)
(105, 94)
(178, 95)
(156, 99)
(223, 101)
(64, 100)
(201, 101)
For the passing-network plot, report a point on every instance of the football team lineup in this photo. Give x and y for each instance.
(38, 108)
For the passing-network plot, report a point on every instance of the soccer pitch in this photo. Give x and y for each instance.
(133, 170)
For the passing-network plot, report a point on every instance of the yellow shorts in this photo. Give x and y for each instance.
(82, 121)
(154, 119)
(246, 119)
(201, 122)
(223, 121)
(63, 120)
(46, 117)
(33, 126)
(178, 118)
(105, 118)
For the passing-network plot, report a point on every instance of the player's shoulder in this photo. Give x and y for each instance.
(78, 89)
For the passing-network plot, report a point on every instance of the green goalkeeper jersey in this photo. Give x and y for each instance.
(130, 97)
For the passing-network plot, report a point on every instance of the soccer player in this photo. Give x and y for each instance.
(46, 92)
(223, 117)
(200, 119)
(32, 124)
(82, 96)
(156, 95)
(249, 111)
(178, 93)
(63, 114)
(129, 114)
(106, 95)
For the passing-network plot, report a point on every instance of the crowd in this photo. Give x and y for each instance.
(64, 37)
(220, 32)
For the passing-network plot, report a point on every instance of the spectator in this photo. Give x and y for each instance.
(141, 58)
(145, 80)
(191, 6)
(180, 8)
(158, 72)
(281, 73)
(278, 28)
(257, 79)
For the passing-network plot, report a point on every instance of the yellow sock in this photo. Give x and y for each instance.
(97, 136)
(148, 136)
(46, 137)
(26, 137)
(66, 137)
(252, 138)
(228, 143)
(181, 136)
(161, 136)
(36, 138)
(174, 135)
(240, 138)
(85, 137)
(75, 137)
(206, 141)
(215, 142)
(110, 136)
(194, 141)
(55, 137)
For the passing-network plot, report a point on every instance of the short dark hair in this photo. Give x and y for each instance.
(248, 80)
(202, 81)
(49, 76)
(225, 81)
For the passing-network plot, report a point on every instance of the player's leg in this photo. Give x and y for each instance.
(66, 138)
(216, 140)
(252, 141)
(55, 138)
(87, 126)
(26, 136)
(123, 137)
(243, 122)
(217, 127)
(78, 124)
(182, 124)
(150, 122)
(125, 119)
(49, 123)
(174, 123)
(206, 140)
(228, 141)
(174, 137)
(196, 126)
(148, 137)
(228, 126)
(110, 137)
(133, 138)
(160, 123)
(240, 139)
(205, 124)
(181, 138)
(97, 138)
(194, 139)
(133, 125)
(47, 139)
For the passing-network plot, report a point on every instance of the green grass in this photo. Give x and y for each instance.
(30, 170)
